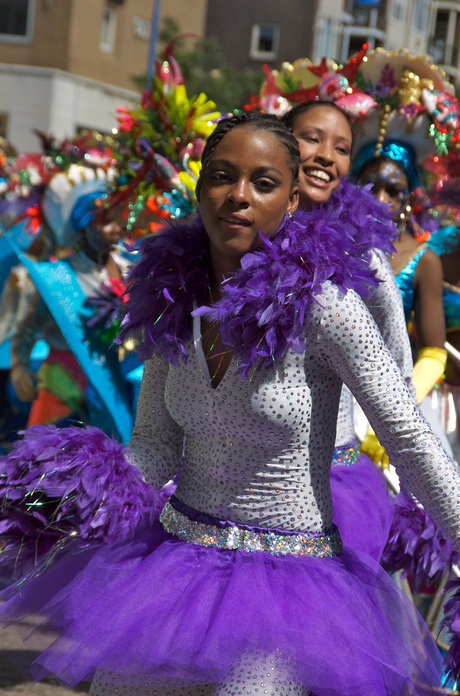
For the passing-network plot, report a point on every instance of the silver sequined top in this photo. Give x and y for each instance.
(385, 305)
(259, 452)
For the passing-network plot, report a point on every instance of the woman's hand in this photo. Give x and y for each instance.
(374, 450)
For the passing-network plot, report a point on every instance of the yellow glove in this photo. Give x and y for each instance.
(430, 365)
(374, 450)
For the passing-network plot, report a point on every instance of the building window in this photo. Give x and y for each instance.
(398, 10)
(109, 23)
(141, 27)
(264, 41)
(16, 20)
(421, 13)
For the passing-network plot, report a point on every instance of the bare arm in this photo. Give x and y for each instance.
(429, 309)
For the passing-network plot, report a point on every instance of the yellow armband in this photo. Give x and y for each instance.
(374, 450)
(430, 365)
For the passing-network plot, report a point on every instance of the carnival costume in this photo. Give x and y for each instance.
(363, 510)
(415, 114)
(243, 583)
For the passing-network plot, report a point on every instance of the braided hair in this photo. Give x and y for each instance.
(289, 118)
(257, 121)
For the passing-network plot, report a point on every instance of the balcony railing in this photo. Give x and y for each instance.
(443, 53)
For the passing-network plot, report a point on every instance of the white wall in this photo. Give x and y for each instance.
(55, 102)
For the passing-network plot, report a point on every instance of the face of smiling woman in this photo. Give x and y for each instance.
(247, 187)
(325, 141)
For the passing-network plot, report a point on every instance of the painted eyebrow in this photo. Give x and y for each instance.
(231, 165)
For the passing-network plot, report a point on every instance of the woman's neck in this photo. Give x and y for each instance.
(99, 257)
(222, 267)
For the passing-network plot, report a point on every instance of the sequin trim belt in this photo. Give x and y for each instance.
(302, 544)
(345, 456)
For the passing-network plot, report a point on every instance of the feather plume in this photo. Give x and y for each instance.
(264, 304)
(58, 484)
(415, 545)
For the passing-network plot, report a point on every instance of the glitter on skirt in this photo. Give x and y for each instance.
(347, 455)
(307, 544)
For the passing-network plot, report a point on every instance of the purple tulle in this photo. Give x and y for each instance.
(262, 311)
(363, 509)
(57, 484)
(415, 545)
(176, 613)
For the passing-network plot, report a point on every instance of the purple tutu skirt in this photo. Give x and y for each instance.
(363, 509)
(176, 613)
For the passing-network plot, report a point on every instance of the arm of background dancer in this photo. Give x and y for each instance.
(429, 308)
(349, 343)
(157, 440)
(28, 332)
(385, 305)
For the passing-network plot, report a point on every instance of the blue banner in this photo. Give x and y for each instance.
(58, 285)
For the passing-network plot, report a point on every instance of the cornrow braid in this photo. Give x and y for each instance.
(259, 121)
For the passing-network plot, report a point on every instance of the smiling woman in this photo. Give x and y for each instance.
(362, 507)
(325, 136)
(243, 583)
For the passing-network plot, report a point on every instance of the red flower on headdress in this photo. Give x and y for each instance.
(36, 219)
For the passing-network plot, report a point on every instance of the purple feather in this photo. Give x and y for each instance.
(415, 545)
(451, 621)
(264, 304)
(58, 484)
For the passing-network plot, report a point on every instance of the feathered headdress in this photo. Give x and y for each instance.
(161, 143)
(303, 81)
(32, 180)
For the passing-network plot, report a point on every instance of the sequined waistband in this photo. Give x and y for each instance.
(347, 455)
(302, 544)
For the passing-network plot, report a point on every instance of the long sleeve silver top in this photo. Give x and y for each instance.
(258, 452)
(385, 305)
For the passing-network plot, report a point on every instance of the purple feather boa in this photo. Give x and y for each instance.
(415, 545)
(262, 311)
(67, 483)
(451, 621)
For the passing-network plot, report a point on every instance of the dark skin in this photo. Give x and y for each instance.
(97, 243)
(451, 269)
(247, 187)
(391, 187)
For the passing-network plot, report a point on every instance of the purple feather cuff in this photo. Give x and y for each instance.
(262, 311)
(69, 483)
(415, 545)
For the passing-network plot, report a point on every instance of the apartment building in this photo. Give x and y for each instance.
(66, 65)
(273, 31)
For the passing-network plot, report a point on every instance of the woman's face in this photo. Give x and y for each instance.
(104, 237)
(325, 141)
(389, 183)
(247, 187)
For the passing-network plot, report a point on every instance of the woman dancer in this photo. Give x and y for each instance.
(243, 584)
(362, 507)
(418, 270)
